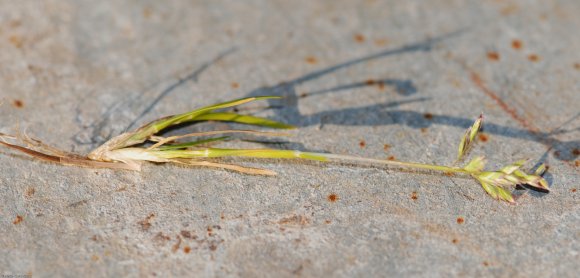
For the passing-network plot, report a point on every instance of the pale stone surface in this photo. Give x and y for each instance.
(74, 73)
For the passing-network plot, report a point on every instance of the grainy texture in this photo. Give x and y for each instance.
(357, 76)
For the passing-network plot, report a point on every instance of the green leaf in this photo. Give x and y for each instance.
(243, 119)
(191, 144)
(257, 153)
(141, 134)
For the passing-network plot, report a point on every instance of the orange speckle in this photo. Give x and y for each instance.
(428, 116)
(423, 129)
(29, 192)
(533, 57)
(386, 147)
(332, 197)
(147, 12)
(460, 220)
(311, 60)
(576, 151)
(146, 224)
(577, 163)
(392, 157)
(359, 38)
(17, 220)
(482, 137)
(16, 41)
(95, 258)
(370, 82)
(449, 174)
(455, 241)
(381, 85)
(517, 44)
(493, 56)
(485, 263)
(577, 66)
(327, 221)
(15, 23)
(186, 249)
(573, 190)
(362, 143)
(414, 195)
(235, 85)
(18, 103)
(381, 42)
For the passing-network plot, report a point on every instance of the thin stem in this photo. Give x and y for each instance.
(440, 168)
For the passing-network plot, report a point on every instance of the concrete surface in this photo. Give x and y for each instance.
(369, 78)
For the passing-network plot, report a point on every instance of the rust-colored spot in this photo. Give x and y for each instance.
(327, 221)
(576, 151)
(177, 244)
(370, 82)
(455, 241)
(360, 38)
(17, 41)
(29, 192)
(17, 220)
(186, 234)
(460, 220)
(294, 220)
(381, 42)
(15, 23)
(428, 116)
(391, 157)
(517, 44)
(235, 85)
(573, 190)
(493, 56)
(147, 12)
(577, 66)
(18, 103)
(485, 263)
(423, 130)
(332, 197)
(414, 195)
(186, 249)
(483, 137)
(95, 258)
(362, 143)
(213, 247)
(303, 94)
(449, 174)
(533, 57)
(386, 147)
(145, 224)
(311, 60)
(577, 163)
(161, 238)
(381, 85)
